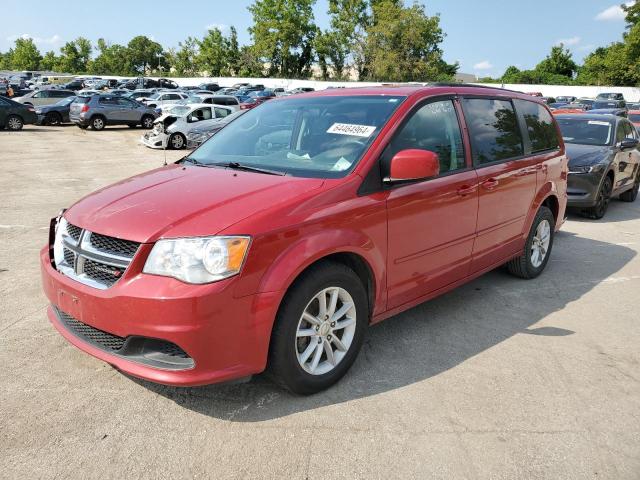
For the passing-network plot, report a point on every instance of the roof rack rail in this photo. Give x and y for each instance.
(470, 85)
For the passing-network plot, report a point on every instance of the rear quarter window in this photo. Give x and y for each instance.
(82, 100)
(540, 126)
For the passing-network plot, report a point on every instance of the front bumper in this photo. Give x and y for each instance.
(155, 140)
(225, 337)
(582, 189)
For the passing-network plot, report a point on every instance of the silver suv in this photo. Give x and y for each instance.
(98, 111)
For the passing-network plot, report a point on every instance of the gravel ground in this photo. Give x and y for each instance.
(501, 379)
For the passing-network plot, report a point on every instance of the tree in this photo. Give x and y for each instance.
(49, 61)
(184, 60)
(249, 64)
(558, 62)
(26, 55)
(213, 53)
(233, 52)
(75, 56)
(403, 44)
(283, 32)
(144, 54)
(111, 60)
(349, 21)
(632, 14)
(5, 60)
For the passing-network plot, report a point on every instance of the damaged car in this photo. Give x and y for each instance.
(170, 130)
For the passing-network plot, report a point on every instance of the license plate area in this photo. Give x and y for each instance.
(70, 304)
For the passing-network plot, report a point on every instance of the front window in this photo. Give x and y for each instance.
(634, 117)
(586, 132)
(322, 137)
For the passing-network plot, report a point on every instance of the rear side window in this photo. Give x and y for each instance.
(108, 101)
(221, 112)
(494, 131)
(82, 100)
(540, 127)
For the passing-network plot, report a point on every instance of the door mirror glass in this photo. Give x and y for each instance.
(413, 164)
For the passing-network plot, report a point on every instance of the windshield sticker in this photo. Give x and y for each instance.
(342, 164)
(351, 129)
(598, 122)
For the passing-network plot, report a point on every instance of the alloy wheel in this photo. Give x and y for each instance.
(98, 124)
(14, 123)
(177, 142)
(325, 330)
(540, 243)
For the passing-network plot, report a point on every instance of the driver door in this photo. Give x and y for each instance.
(626, 160)
(431, 223)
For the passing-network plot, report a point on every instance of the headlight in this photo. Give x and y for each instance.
(199, 259)
(38, 112)
(58, 250)
(587, 168)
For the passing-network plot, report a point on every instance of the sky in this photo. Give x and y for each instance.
(485, 36)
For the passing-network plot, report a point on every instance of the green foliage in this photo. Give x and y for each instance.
(74, 56)
(144, 55)
(111, 60)
(25, 55)
(558, 62)
(49, 61)
(213, 56)
(185, 59)
(403, 44)
(283, 32)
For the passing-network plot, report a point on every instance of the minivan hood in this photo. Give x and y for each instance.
(586, 154)
(183, 201)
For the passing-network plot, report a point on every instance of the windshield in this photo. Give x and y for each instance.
(155, 96)
(605, 105)
(178, 110)
(321, 137)
(586, 132)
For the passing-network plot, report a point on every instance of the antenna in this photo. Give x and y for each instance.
(165, 153)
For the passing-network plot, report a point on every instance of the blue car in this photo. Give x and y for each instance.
(55, 114)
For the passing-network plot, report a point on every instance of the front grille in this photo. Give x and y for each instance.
(94, 259)
(69, 257)
(116, 246)
(172, 350)
(90, 334)
(105, 274)
(73, 231)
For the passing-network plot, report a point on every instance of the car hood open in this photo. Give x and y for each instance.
(181, 201)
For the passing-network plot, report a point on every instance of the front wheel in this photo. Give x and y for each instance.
(177, 141)
(319, 329)
(537, 248)
(147, 122)
(602, 200)
(53, 118)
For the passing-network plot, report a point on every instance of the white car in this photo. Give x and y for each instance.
(171, 128)
(212, 99)
(160, 99)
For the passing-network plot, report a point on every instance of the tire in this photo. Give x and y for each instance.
(14, 123)
(53, 118)
(292, 360)
(147, 121)
(526, 265)
(98, 123)
(602, 201)
(177, 141)
(631, 194)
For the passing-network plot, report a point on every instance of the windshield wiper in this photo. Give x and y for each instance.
(188, 159)
(247, 168)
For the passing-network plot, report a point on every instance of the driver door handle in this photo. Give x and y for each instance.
(466, 190)
(490, 184)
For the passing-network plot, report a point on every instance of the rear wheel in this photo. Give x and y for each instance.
(14, 123)
(53, 118)
(537, 248)
(602, 201)
(631, 194)
(98, 123)
(319, 329)
(177, 141)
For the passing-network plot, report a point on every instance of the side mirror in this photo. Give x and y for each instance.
(628, 143)
(413, 164)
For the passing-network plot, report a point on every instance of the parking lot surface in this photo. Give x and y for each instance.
(502, 378)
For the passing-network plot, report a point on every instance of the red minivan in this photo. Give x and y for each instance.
(276, 243)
